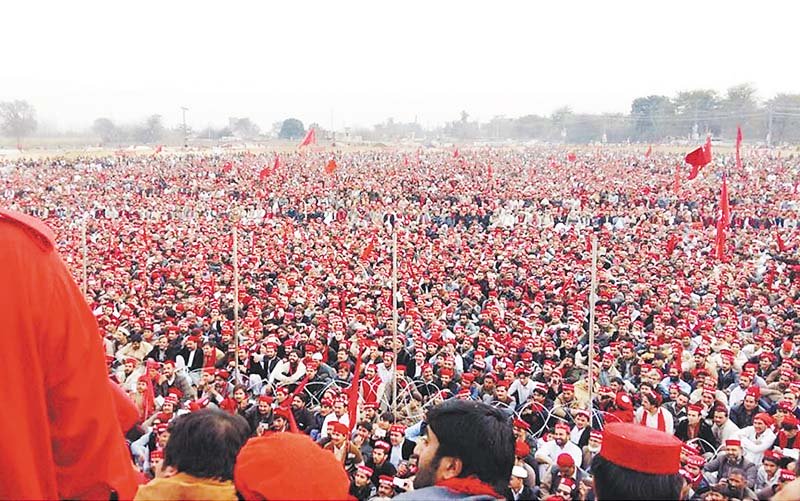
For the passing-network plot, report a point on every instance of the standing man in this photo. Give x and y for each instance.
(61, 438)
(467, 450)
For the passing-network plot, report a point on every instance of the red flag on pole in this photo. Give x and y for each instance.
(697, 159)
(720, 241)
(352, 392)
(264, 174)
(489, 171)
(677, 184)
(571, 156)
(738, 146)
(649, 151)
(671, 244)
(455, 153)
(331, 167)
(781, 245)
(158, 149)
(277, 163)
(311, 137)
(724, 204)
(368, 250)
(707, 149)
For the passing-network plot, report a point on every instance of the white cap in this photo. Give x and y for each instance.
(519, 472)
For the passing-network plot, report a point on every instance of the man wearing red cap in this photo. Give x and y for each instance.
(564, 469)
(402, 448)
(637, 462)
(731, 459)
(60, 438)
(342, 448)
(757, 438)
(769, 471)
(651, 414)
(361, 486)
(696, 429)
(379, 462)
(548, 453)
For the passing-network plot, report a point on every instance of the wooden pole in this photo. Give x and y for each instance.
(236, 296)
(85, 286)
(592, 302)
(394, 320)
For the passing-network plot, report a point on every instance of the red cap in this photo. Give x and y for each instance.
(397, 428)
(366, 470)
(696, 460)
(641, 449)
(338, 427)
(386, 479)
(522, 424)
(733, 442)
(276, 466)
(383, 445)
(787, 475)
(521, 449)
(565, 460)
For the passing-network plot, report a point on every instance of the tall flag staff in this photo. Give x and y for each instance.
(394, 319)
(592, 303)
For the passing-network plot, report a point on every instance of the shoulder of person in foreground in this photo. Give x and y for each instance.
(435, 492)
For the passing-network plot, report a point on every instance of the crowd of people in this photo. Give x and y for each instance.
(695, 335)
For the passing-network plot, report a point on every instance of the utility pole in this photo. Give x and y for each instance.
(184, 109)
(769, 126)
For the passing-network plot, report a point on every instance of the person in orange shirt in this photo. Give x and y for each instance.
(59, 432)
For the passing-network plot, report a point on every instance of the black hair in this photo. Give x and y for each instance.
(612, 481)
(302, 396)
(366, 425)
(388, 416)
(205, 443)
(479, 435)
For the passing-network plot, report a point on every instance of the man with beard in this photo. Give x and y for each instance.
(591, 449)
(466, 451)
(170, 379)
(548, 453)
(732, 459)
(260, 414)
(345, 451)
(723, 428)
(379, 462)
(302, 416)
(361, 487)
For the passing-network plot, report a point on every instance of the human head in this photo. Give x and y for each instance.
(636, 462)
(465, 438)
(205, 443)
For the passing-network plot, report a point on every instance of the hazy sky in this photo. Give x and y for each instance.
(368, 60)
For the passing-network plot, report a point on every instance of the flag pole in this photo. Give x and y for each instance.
(85, 285)
(592, 303)
(394, 319)
(236, 294)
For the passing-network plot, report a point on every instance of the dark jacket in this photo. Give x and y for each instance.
(526, 494)
(707, 442)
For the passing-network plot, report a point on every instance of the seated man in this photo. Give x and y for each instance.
(199, 458)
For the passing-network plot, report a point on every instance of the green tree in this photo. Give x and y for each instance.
(785, 109)
(740, 107)
(698, 111)
(17, 118)
(292, 128)
(244, 128)
(106, 129)
(652, 117)
(152, 131)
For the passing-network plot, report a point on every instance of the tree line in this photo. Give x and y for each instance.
(656, 118)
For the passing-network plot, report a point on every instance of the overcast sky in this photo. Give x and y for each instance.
(363, 61)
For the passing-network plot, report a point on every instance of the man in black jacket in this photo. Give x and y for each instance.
(696, 428)
(192, 354)
(302, 416)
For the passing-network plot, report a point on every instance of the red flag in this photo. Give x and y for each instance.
(331, 167)
(158, 149)
(649, 151)
(311, 137)
(489, 171)
(264, 174)
(781, 245)
(707, 149)
(571, 156)
(455, 153)
(405, 160)
(719, 243)
(738, 146)
(352, 393)
(697, 159)
(677, 184)
(671, 244)
(724, 204)
(276, 164)
(368, 250)
(227, 167)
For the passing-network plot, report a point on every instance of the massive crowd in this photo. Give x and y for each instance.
(693, 337)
